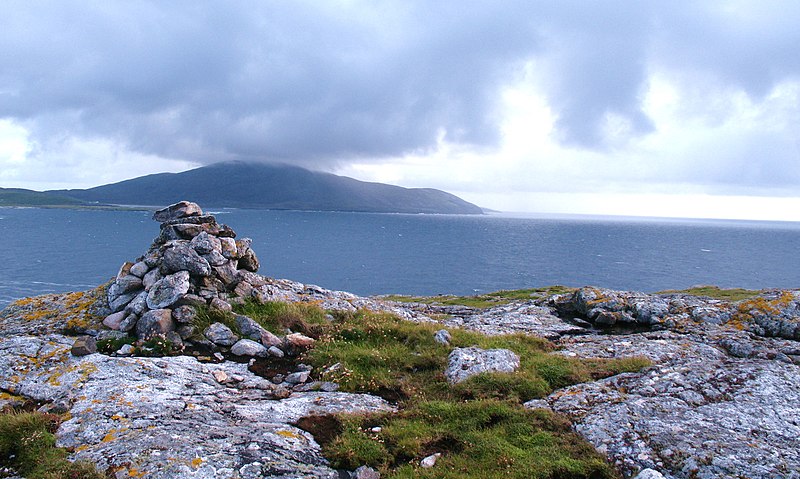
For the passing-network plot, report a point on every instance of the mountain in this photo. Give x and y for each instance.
(273, 186)
(22, 197)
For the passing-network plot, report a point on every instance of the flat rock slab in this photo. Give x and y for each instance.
(698, 413)
(464, 363)
(168, 417)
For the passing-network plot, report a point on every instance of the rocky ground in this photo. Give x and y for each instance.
(721, 400)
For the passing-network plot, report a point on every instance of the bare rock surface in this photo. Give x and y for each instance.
(169, 417)
(464, 363)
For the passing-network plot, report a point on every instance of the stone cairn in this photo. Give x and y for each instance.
(194, 262)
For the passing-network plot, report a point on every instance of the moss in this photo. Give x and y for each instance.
(27, 446)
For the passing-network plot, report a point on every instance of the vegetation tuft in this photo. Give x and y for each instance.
(715, 292)
(488, 300)
(27, 448)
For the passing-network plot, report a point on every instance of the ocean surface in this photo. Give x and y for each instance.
(56, 250)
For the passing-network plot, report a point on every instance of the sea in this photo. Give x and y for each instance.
(59, 250)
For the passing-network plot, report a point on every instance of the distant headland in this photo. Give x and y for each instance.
(251, 185)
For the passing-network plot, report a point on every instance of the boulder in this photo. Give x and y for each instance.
(113, 320)
(442, 337)
(180, 256)
(228, 246)
(168, 290)
(155, 322)
(205, 243)
(249, 261)
(178, 210)
(83, 346)
(151, 278)
(139, 269)
(220, 335)
(248, 347)
(184, 314)
(118, 302)
(464, 363)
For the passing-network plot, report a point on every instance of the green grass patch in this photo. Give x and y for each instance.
(483, 301)
(715, 292)
(27, 447)
(277, 316)
(477, 439)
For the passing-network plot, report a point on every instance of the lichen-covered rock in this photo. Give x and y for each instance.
(155, 322)
(182, 209)
(248, 347)
(124, 413)
(464, 363)
(180, 256)
(220, 335)
(168, 290)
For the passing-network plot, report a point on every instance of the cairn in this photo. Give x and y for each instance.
(194, 262)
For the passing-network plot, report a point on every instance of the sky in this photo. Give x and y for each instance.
(649, 108)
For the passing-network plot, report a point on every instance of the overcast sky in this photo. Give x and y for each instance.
(664, 108)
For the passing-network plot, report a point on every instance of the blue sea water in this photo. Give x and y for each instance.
(49, 250)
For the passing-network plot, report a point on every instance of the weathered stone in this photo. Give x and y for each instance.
(463, 363)
(275, 351)
(298, 377)
(139, 269)
(220, 335)
(124, 270)
(249, 328)
(151, 278)
(180, 256)
(248, 347)
(191, 230)
(243, 289)
(184, 314)
(299, 341)
(221, 305)
(249, 261)
(226, 231)
(191, 300)
(166, 291)
(178, 210)
(125, 284)
(83, 346)
(205, 243)
(155, 322)
(185, 331)
(126, 350)
(365, 472)
(195, 220)
(129, 322)
(430, 461)
(228, 246)
(227, 272)
(118, 302)
(649, 474)
(215, 258)
(442, 337)
(113, 320)
(138, 305)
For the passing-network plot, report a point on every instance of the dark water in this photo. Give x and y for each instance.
(63, 250)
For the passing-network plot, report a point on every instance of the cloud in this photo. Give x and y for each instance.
(327, 84)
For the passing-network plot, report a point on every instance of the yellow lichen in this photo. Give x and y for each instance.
(289, 434)
(196, 462)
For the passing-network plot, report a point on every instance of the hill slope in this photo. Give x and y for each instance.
(250, 185)
(22, 197)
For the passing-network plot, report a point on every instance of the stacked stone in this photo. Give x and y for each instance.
(193, 262)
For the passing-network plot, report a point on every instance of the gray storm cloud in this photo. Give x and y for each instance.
(320, 82)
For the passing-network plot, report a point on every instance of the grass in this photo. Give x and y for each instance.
(715, 292)
(479, 425)
(483, 301)
(27, 447)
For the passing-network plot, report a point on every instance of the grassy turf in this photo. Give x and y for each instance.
(715, 292)
(27, 447)
(483, 301)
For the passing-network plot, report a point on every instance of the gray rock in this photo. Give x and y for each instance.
(180, 256)
(463, 363)
(443, 337)
(83, 346)
(365, 472)
(250, 329)
(205, 243)
(191, 300)
(118, 302)
(151, 278)
(138, 305)
(430, 461)
(649, 474)
(113, 320)
(178, 210)
(220, 334)
(221, 305)
(129, 322)
(215, 258)
(184, 314)
(168, 290)
(227, 272)
(298, 377)
(275, 351)
(248, 347)
(139, 269)
(155, 322)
